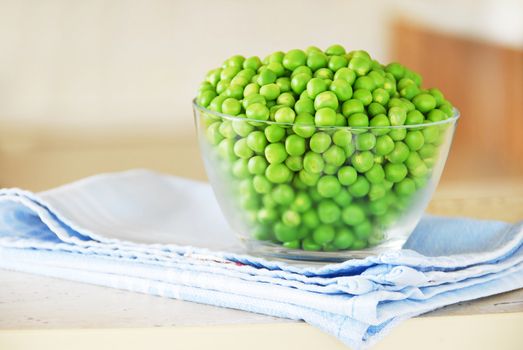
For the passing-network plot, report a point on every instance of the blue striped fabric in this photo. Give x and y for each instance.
(161, 235)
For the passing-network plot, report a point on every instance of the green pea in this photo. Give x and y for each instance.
(274, 133)
(304, 125)
(362, 161)
(310, 245)
(226, 129)
(240, 81)
(294, 163)
(399, 154)
(397, 116)
(294, 58)
(286, 99)
(231, 106)
(340, 120)
(337, 62)
(270, 91)
(378, 206)
(344, 238)
(330, 169)
(365, 141)
(380, 124)
(447, 109)
(328, 186)
(302, 202)
(390, 86)
(316, 60)
(307, 178)
(384, 145)
(398, 134)
(342, 137)
(226, 149)
(364, 95)
(375, 108)
(353, 215)
(229, 72)
(239, 169)
(326, 99)
(277, 173)
(334, 156)
(377, 190)
(242, 150)
(283, 194)
(275, 153)
(364, 82)
(285, 115)
(257, 165)
(256, 141)
(252, 99)
(360, 65)
(430, 134)
(405, 187)
(257, 111)
(363, 230)
(352, 106)
(414, 117)
(261, 184)
(342, 89)
(395, 172)
(358, 120)
(359, 188)
(335, 49)
(416, 166)
(410, 91)
(291, 218)
(346, 74)
(325, 117)
(267, 216)
(213, 134)
(300, 70)
(277, 68)
(216, 104)
(213, 76)
(266, 76)
(313, 163)
(304, 105)
(253, 63)
(320, 142)
(324, 73)
(347, 175)
(251, 89)
(323, 234)
(408, 105)
(316, 86)
(436, 115)
(328, 211)
(376, 174)
(428, 151)
(343, 198)
(414, 139)
(205, 98)
(299, 82)
(284, 233)
(295, 145)
(424, 102)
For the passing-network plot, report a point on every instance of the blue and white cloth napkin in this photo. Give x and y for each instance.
(151, 233)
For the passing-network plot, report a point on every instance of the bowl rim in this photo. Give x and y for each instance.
(450, 120)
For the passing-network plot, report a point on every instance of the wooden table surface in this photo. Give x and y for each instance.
(54, 314)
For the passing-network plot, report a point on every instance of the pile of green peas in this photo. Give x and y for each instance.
(316, 145)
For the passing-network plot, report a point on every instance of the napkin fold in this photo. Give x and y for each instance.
(151, 233)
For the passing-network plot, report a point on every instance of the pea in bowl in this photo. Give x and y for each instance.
(321, 155)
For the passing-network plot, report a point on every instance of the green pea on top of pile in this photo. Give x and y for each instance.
(324, 146)
(335, 87)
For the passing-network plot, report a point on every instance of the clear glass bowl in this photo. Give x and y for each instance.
(300, 219)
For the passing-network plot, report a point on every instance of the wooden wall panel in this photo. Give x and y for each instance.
(485, 82)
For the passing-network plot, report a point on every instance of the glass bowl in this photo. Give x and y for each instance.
(351, 195)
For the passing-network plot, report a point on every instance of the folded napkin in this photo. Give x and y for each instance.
(155, 234)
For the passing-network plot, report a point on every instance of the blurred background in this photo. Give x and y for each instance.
(90, 85)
